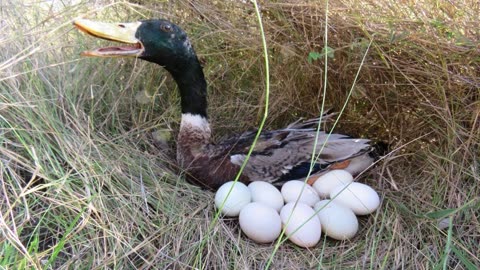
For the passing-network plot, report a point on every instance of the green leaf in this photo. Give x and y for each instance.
(405, 210)
(441, 213)
(329, 51)
(461, 256)
(312, 56)
(63, 240)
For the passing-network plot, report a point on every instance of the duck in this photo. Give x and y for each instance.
(278, 156)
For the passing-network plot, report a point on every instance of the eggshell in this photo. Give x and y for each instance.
(237, 199)
(301, 224)
(330, 180)
(293, 190)
(267, 194)
(260, 222)
(360, 198)
(338, 222)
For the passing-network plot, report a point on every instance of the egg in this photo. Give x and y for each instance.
(338, 222)
(260, 222)
(301, 224)
(327, 182)
(267, 194)
(360, 198)
(235, 201)
(293, 190)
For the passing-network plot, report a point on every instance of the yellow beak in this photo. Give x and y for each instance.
(119, 32)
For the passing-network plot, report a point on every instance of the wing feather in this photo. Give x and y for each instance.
(288, 151)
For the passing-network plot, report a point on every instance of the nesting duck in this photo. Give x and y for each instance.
(279, 155)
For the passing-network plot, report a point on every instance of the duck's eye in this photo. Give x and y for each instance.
(166, 28)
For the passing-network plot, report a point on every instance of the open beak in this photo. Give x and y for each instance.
(119, 32)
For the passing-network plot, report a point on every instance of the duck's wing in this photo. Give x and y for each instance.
(285, 154)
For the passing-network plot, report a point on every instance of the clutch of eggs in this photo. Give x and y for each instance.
(330, 206)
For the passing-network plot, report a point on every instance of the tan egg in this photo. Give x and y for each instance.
(260, 222)
(360, 198)
(327, 182)
(338, 222)
(267, 194)
(232, 202)
(301, 224)
(298, 190)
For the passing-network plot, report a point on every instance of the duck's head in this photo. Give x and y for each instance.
(157, 40)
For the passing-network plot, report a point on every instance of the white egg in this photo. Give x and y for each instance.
(327, 182)
(266, 193)
(361, 198)
(260, 222)
(235, 201)
(298, 190)
(301, 224)
(338, 222)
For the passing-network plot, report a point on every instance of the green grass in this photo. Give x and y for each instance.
(106, 194)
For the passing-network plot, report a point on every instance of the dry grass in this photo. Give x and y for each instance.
(104, 195)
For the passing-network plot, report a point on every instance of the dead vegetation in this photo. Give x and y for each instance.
(83, 185)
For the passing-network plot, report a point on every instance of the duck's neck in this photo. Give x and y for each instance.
(194, 131)
(193, 87)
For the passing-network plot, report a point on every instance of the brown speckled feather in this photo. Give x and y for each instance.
(278, 156)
